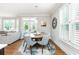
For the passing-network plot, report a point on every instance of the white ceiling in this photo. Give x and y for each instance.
(26, 9)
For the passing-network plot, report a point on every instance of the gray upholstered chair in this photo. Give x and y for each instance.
(28, 43)
(44, 42)
(52, 49)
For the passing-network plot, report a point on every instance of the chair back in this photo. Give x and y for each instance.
(29, 41)
(26, 40)
(45, 39)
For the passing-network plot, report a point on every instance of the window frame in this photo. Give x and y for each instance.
(14, 25)
(64, 32)
(30, 21)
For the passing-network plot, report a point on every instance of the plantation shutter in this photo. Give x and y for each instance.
(74, 25)
(64, 22)
(0, 24)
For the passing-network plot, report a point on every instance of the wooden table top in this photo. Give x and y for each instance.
(37, 36)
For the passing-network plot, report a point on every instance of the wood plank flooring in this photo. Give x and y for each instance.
(59, 51)
(13, 48)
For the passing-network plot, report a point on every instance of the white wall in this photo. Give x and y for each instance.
(39, 19)
(55, 32)
(48, 26)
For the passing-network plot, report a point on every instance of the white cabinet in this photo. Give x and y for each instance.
(10, 38)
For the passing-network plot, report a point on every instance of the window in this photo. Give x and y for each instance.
(64, 22)
(8, 25)
(69, 24)
(29, 24)
(17, 24)
(0, 24)
(26, 25)
(74, 25)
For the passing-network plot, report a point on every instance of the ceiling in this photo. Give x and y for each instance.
(20, 9)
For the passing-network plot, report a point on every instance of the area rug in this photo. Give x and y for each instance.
(37, 51)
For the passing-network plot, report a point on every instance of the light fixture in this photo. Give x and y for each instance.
(36, 6)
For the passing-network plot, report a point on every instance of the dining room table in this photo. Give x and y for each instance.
(36, 37)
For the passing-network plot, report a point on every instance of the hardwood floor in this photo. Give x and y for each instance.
(59, 51)
(13, 48)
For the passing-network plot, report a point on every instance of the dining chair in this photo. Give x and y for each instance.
(52, 49)
(44, 42)
(28, 43)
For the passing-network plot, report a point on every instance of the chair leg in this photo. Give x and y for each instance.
(42, 49)
(31, 50)
(48, 46)
(25, 48)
